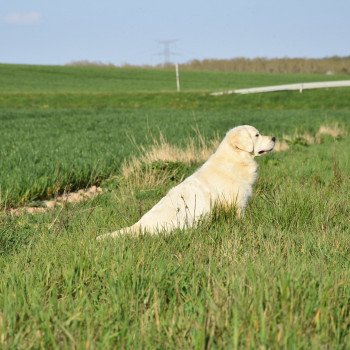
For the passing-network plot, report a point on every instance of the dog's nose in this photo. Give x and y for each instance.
(273, 138)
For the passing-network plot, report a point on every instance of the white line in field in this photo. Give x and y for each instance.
(299, 86)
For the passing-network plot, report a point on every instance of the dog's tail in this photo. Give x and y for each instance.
(133, 230)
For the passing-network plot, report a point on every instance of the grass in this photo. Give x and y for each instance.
(43, 153)
(64, 128)
(279, 278)
(16, 79)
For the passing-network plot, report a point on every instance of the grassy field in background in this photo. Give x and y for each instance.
(97, 80)
(279, 278)
(65, 128)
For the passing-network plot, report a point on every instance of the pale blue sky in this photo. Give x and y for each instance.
(58, 32)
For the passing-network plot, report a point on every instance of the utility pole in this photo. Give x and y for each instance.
(177, 77)
(166, 50)
(167, 58)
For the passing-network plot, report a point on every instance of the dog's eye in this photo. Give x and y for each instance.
(257, 135)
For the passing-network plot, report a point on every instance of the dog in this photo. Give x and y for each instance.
(226, 178)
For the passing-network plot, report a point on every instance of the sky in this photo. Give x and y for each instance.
(131, 31)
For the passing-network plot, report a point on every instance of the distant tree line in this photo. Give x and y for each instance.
(87, 63)
(327, 65)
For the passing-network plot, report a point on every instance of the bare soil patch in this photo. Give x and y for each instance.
(71, 197)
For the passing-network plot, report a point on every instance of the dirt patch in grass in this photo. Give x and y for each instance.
(71, 197)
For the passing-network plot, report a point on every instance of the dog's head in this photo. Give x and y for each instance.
(248, 139)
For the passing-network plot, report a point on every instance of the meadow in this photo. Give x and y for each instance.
(279, 278)
(64, 128)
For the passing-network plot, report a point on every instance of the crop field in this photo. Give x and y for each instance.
(279, 278)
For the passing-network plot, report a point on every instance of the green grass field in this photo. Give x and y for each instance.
(70, 127)
(279, 278)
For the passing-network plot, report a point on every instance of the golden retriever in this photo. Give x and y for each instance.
(227, 178)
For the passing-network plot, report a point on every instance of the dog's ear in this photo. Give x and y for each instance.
(241, 139)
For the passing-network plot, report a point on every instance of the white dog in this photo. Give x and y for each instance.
(227, 178)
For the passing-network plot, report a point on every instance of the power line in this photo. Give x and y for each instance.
(167, 53)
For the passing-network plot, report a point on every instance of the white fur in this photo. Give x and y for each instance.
(227, 177)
